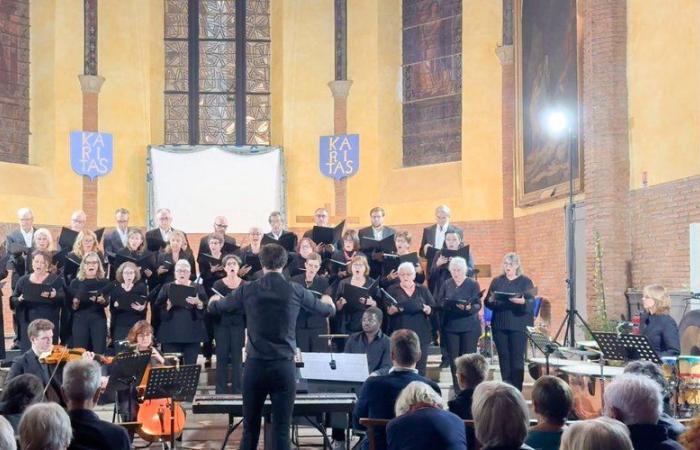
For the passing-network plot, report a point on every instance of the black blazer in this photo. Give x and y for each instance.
(295, 239)
(309, 319)
(20, 264)
(28, 362)
(112, 242)
(429, 236)
(204, 243)
(155, 236)
(367, 232)
(662, 332)
(89, 432)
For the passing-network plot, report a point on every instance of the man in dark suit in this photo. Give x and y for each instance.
(434, 235)
(271, 306)
(117, 239)
(376, 231)
(157, 238)
(21, 237)
(40, 333)
(81, 387)
(379, 394)
(220, 227)
(278, 233)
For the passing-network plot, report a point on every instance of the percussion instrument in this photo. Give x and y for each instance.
(587, 384)
(555, 364)
(669, 367)
(689, 379)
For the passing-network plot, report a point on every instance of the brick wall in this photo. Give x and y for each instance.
(660, 216)
(14, 81)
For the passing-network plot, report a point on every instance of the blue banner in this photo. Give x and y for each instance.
(339, 155)
(91, 153)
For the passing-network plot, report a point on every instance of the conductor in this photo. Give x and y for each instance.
(271, 306)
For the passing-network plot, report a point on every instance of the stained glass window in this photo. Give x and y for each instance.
(201, 72)
(432, 81)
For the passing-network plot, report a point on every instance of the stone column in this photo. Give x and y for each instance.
(505, 55)
(340, 90)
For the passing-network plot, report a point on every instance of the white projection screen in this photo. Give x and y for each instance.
(198, 183)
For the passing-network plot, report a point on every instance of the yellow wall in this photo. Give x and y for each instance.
(130, 107)
(663, 57)
(471, 187)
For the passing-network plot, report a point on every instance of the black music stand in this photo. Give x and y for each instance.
(543, 343)
(126, 370)
(177, 384)
(610, 346)
(639, 347)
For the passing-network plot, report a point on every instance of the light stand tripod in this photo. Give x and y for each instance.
(571, 312)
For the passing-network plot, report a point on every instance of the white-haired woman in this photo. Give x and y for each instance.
(181, 304)
(421, 422)
(412, 309)
(601, 433)
(500, 416)
(657, 323)
(511, 297)
(460, 300)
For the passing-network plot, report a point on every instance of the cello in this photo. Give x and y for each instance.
(154, 415)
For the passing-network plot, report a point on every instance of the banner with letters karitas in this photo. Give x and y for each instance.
(91, 153)
(339, 155)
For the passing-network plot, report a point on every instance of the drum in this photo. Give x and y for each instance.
(538, 366)
(669, 366)
(689, 375)
(587, 386)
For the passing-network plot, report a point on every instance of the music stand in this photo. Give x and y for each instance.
(610, 346)
(126, 370)
(177, 384)
(543, 343)
(639, 347)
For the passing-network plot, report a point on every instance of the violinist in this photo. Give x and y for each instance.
(40, 334)
(88, 301)
(127, 300)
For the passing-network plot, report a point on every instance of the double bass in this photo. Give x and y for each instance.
(154, 415)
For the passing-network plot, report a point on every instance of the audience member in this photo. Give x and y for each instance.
(636, 401)
(500, 416)
(421, 422)
(379, 394)
(81, 387)
(552, 400)
(45, 426)
(602, 433)
(20, 393)
(651, 370)
(7, 435)
(691, 438)
(471, 369)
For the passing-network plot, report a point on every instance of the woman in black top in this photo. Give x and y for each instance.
(414, 305)
(656, 323)
(165, 273)
(229, 330)
(309, 324)
(351, 245)
(298, 259)
(460, 300)
(350, 315)
(510, 318)
(210, 271)
(403, 247)
(129, 290)
(136, 249)
(182, 327)
(87, 292)
(46, 306)
(251, 250)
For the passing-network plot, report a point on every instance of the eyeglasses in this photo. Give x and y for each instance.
(92, 263)
(219, 225)
(182, 270)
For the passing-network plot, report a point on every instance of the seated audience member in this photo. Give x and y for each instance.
(421, 422)
(371, 341)
(379, 394)
(472, 369)
(20, 393)
(602, 433)
(552, 400)
(635, 400)
(7, 435)
(81, 387)
(45, 426)
(691, 438)
(500, 416)
(651, 370)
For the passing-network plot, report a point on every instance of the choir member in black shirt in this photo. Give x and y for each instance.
(85, 242)
(371, 341)
(434, 235)
(89, 329)
(309, 323)
(210, 272)
(117, 239)
(439, 269)
(460, 301)
(277, 231)
(251, 250)
(220, 227)
(657, 324)
(43, 241)
(510, 318)
(340, 259)
(298, 260)
(175, 251)
(376, 231)
(182, 326)
(136, 249)
(350, 315)
(158, 238)
(403, 247)
(229, 330)
(414, 305)
(46, 306)
(131, 290)
(321, 217)
(271, 306)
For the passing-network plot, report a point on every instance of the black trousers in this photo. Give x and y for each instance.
(229, 345)
(260, 378)
(90, 331)
(511, 346)
(189, 351)
(308, 340)
(208, 345)
(459, 344)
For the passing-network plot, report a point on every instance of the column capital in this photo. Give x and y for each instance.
(340, 88)
(91, 84)
(505, 54)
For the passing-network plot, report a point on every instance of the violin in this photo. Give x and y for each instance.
(60, 353)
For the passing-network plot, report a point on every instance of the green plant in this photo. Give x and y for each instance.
(599, 321)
